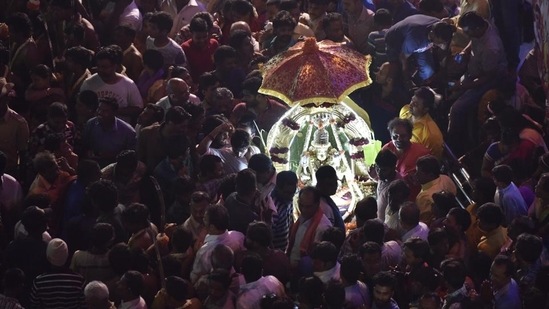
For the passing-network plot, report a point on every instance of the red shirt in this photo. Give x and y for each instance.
(199, 60)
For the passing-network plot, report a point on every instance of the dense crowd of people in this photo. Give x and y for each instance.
(133, 176)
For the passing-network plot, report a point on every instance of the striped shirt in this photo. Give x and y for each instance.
(58, 290)
(281, 222)
(9, 303)
(376, 44)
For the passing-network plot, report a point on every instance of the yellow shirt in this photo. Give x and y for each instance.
(492, 242)
(425, 132)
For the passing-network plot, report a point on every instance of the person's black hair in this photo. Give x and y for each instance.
(427, 276)
(246, 182)
(153, 59)
(490, 213)
(405, 123)
(134, 282)
(283, 19)
(309, 290)
(399, 189)
(63, 4)
(177, 115)
(228, 185)
(252, 267)
(79, 55)
(529, 247)
(178, 71)
(329, 18)
(137, 214)
(112, 53)
(349, 270)
(383, 17)
(242, 7)
(325, 172)
(56, 110)
(419, 247)
(206, 80)
(198, 24)
(240, 139)
(157, 111)
(126, 31)
(42, 71)
(443, 30)
(288, 5)
(222, 257)
(472, 20)
(252, 85)
(260, 163)
(119, 256)
(386, 158)
(443, 201)
(13, 278)
(207, 164)
(366, 208)
(462, 217)
(176, 288)
(89, 99)
(409, 213)
(384, 279)
(334, 295)
(101, 235)
(503, 173)
(110, 102)
(313, 190)
(374, 230)
(19, 23)
(286, 178)
(322, 2)
(370, 247)
(486, 186)
(504, 260)
(222, 276)
(427, 96)
(334, 235)
(127, 160)
(434, 296)
(237, 38)
(162, 20)
(453, 272)
(223, 53)
(34, 220)
(260, 232)
(520, 225)
(218, 216)
(104, 194)
(40, 200)
(437, 236)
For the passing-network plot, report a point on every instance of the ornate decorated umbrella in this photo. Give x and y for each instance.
(315, 73)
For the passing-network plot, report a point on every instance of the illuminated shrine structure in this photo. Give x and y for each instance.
(310, 136)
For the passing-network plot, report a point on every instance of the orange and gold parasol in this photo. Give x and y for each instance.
(315, 73)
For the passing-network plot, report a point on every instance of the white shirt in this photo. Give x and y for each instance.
(124, 91)
(323, 225)
(421, 231)
(331, 274)
(131, 16)
(172, 53)
(10, 193)
(231, 163)
(138, 303)
(328, 212)
(185, 15)
(251, 293)
(166, 104)
(202, 263)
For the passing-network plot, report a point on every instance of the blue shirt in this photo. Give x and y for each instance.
(409, 36)
(109, 142)
(508, 297)
(511, 202)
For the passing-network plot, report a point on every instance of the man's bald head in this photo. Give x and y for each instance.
(178, 90)
(240, 25)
